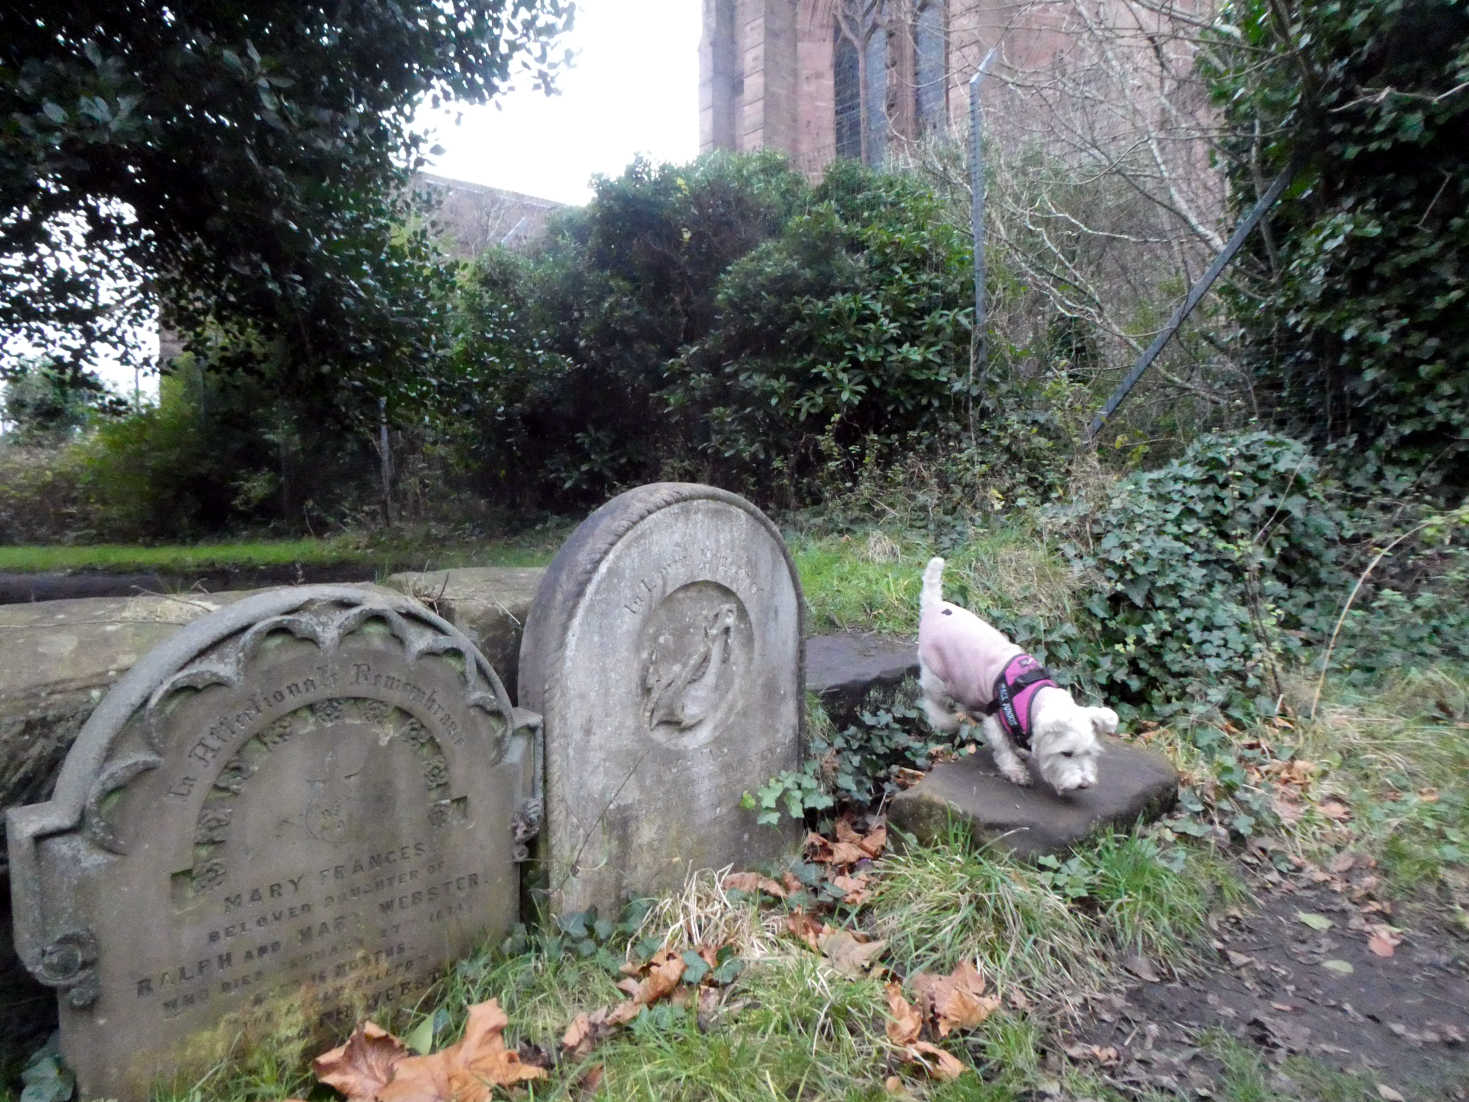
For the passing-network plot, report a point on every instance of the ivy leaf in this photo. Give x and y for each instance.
(695, 968)
(421, 1037)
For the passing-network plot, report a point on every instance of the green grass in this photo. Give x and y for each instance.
(1247, 1076)
(869, 581)
(383, 553)
(1053, 931)
(121, 557)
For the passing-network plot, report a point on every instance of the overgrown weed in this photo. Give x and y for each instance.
(1398, 757)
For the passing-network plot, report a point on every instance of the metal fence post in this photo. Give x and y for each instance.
(1196, 292)
(976, 206)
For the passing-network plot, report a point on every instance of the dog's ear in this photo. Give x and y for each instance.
(1104, 721)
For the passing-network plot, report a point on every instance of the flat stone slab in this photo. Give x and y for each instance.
(845, 667)
(1131, 783)
(58, 658)
(488, 603)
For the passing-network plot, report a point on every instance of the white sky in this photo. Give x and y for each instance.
(632, 88)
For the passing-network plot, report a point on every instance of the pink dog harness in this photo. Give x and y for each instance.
(982, 669)
(1015, 691)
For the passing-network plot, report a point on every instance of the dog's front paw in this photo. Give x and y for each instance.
(1016, 773)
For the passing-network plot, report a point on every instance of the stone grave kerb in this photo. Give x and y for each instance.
(63, 851)
(642, 785)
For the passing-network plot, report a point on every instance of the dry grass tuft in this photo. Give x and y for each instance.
(702, 913)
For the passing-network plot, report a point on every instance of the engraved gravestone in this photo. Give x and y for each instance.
(664, 652)
(298, 806)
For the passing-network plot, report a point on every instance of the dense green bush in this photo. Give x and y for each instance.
(221, 451)
(44, 404)
(41, 496)
(619, 288)
(1357, 325)
(832, 342)
(1209, 573)
(508, 428)
(720, 321)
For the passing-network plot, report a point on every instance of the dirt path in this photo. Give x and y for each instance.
(1324, 970)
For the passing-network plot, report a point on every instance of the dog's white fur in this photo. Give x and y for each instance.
(1064, 738)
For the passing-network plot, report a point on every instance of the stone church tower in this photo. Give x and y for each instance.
(820, 79)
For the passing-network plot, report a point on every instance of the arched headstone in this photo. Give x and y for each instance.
(299, 805)
(663, 651)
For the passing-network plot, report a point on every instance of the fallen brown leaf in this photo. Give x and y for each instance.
(664, 971)
(1384, 939)
(1288, 808)
(577, 1033)
(752, 883)
(591, 1082)
(944, 1066)
(807, 927)
(364, 1065)
(854, 887)
(955, 1001)
(849, 954)
(1335, 810)
(906, 1022)
(875, 840)
(1105, 1055)
(466, 1072)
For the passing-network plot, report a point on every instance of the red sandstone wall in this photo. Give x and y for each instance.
(776, 78)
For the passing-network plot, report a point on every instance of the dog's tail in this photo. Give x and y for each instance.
(933, 586)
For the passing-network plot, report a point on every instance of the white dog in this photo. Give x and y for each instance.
(967, 668)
